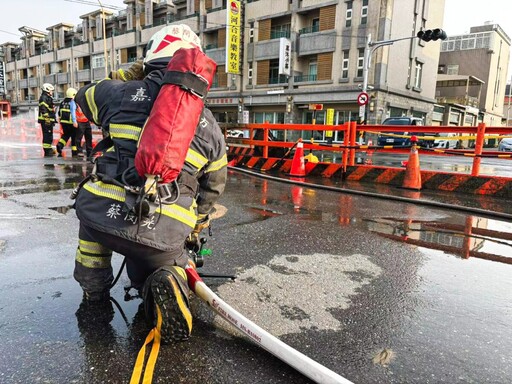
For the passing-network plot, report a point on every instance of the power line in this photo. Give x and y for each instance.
(96, 3)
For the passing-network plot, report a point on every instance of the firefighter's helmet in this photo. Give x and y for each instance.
(164, 43)
(70, 93)
(47, 87)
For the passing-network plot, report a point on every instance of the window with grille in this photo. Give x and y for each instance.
(452, 69)
(418, 73)
(364, 12)
(348, 15)
(344, 66)
(98, 61)
(313, 69)
(360, 62)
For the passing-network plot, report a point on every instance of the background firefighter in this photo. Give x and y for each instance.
(111, 217)
(46, 117)
(67, 120)
(84, 131)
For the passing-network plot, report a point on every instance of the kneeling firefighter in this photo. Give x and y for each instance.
(162, 168)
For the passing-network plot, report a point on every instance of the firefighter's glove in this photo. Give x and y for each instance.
(203, 222)
(135, 72)
(193, 241)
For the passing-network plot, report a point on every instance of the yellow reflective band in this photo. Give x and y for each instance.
(219, 164)
(121, 73)
(93, 247)
(181, 303)
(182, 272)
(62, 141)
(44, 104)
(110, 191)
(46, 145)
(183, 215)
(196, 159)
(89, 97)
(92, 261)
(124, 131)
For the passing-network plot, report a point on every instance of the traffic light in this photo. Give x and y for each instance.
(432, 34)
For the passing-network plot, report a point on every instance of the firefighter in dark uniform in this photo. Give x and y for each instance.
(46, 117)
(68, 122)
(109, 204)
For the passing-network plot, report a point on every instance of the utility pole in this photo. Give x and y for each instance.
(105, 54)
(104, 27)
(509, 97)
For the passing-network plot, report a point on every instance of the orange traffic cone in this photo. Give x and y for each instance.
(298, 165)
(412, 178)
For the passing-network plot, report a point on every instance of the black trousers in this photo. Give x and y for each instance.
(93, 269)
(68, 132)
(84, 131)
(47, 129)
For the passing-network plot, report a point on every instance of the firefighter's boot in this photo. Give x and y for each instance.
(166, 291)
(48, 152)
(59, 148)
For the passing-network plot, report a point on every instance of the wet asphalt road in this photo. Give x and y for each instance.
(332, 275)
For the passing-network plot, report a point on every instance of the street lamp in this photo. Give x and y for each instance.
(371, 46)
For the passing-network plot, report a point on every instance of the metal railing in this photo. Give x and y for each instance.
(304, 78)
(312, 29)
(351, 131)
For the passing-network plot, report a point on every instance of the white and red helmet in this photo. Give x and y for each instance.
(164, 43)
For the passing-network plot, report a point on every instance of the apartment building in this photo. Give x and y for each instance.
(472, 77)
(325, 42)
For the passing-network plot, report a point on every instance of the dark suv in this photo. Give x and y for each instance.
(388, 139)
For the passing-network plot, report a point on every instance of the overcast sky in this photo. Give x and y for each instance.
(460, 15)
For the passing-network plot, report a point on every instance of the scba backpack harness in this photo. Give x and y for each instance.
(121, 172)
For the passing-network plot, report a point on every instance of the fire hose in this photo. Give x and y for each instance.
(295, 359)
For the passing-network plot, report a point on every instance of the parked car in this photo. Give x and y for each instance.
(387, 139)
(234, 133)
(447, 141)
(505, 144)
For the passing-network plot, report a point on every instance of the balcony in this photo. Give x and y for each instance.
(218, 55)
(211, 46)
(461, 100)
(312, 29)
(33, 82)
(264, 50)
(63, 78)
(278, 33)
(304, 78)
(317, 42)
(84, 75)
(281, 79)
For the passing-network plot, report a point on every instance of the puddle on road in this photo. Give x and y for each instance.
(64, 209)
(477, 237)
(55, 177)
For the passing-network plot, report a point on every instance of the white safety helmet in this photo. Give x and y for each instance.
(164, 43)
(71, 92)
(47, 87)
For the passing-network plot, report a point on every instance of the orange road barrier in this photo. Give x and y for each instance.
(412, 178)
(479, 145)
(298, 164)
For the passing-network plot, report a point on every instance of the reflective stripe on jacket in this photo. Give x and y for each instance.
(46, 109)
